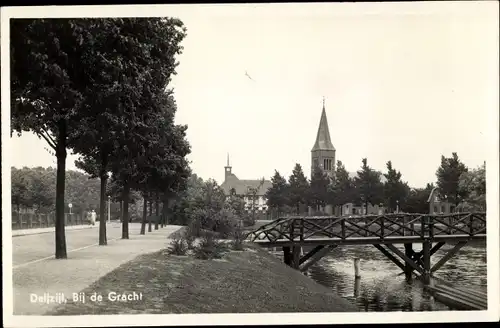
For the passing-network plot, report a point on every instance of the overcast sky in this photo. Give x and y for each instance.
(403, 82)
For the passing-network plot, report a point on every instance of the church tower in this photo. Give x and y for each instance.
(323, 152)
(227, 169)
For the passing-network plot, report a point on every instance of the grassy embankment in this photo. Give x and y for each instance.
(246, 281)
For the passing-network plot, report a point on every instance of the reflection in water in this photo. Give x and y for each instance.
(382, 287)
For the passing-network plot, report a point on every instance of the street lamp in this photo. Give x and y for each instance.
(397, 206)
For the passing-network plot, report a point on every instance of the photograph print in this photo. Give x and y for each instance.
(316, 159)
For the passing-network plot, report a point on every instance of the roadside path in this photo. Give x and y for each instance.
(36, 231)
(38, 274)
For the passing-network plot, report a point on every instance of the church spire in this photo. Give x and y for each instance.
(227, 169)
(323, 141)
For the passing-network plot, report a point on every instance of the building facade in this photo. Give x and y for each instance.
(251, 191)
(437, 205)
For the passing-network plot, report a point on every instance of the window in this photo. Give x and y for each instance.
(435, 209)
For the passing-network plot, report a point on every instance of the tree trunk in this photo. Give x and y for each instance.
(126, 191)
(60, 235)
(121, 209)
(164, 213)
(144, 216)
(150, 212)
(157, 209)
(102, 208)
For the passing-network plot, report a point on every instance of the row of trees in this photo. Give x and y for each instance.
(100, 88)
(455, 181)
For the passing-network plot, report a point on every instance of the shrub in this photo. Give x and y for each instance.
(238, 239)
(178, 246)
(190, 235)
(225, 222)
(209, 247)
(248, 220)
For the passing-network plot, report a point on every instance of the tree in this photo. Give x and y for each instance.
(152, 44)
(298, 188)
(448, 177)
(341, 190)
(395, 190)
(416, 201)
(318, 191)
(19, 188)
(473, 184)
(369, 189)
(277, 195)
(46, 79)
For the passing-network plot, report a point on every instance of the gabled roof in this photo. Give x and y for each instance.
(323, 141)
(241, 186)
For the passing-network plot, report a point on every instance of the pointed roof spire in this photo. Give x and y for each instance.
(323, 141)
(227, 160)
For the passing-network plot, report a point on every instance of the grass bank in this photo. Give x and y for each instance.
(246, 281)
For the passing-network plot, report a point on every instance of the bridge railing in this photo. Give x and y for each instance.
(374, 226)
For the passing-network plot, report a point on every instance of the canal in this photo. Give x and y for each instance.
(382, 287)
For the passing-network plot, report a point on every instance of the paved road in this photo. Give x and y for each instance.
(26, 249)
(37, 273)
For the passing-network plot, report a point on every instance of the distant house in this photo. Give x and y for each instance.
(437, 205)
(244, 189)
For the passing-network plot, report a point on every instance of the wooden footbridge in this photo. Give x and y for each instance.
(324, 233)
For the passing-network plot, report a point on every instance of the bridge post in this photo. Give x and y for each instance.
(426, 250)
(287, 256)
(409, 253)
(296, 257)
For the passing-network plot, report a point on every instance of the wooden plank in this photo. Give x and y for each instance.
(474, 292)
(459, 293)
(456, 303)
(477, 293)
(448, 255)
(447, 294)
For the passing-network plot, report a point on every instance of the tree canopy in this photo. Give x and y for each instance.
(448, 177)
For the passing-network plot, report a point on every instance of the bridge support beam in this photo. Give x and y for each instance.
(287, 255)
(319, 254)
(410, 253)
(426, 250)
(296, 256)
(448, 255)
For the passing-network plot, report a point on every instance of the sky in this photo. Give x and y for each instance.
(404, 82)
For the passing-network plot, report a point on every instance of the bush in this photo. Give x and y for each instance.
(225, 223)
(190, 235)
(238, 239)
(209, 247)
(178, 246)
(248, 220)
